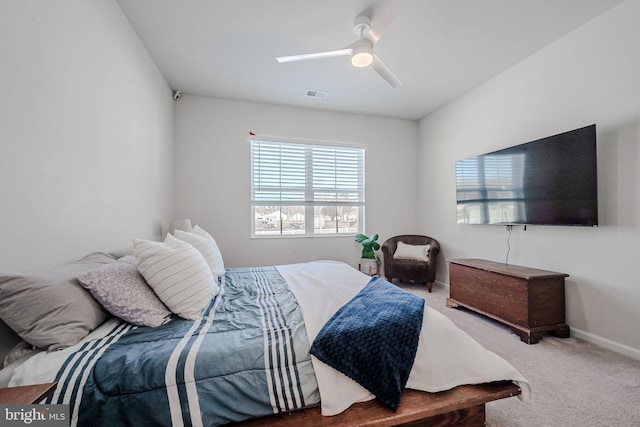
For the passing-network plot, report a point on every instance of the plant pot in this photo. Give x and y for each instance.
(369, 266)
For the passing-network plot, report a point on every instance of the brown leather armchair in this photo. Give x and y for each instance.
(411, 269)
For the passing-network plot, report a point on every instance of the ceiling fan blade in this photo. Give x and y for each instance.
(315, 55)
(385, 72)
(380, 22)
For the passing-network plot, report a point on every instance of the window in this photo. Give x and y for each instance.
(306, 189)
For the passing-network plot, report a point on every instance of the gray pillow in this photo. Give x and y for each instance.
(49, 309)
(123, 292)
(122, 252)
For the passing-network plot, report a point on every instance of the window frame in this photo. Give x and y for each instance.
(354, 196)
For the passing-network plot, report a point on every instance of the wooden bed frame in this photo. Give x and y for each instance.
(463, 405)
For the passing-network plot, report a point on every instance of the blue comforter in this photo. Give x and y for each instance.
(247, 357)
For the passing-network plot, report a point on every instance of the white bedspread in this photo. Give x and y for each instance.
(44, 366)
(446, 357)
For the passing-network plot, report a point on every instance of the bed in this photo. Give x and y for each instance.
(247, 359)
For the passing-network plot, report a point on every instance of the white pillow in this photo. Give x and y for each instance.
(215, 258)
(416, 252)
(178, 274)
(207, 247)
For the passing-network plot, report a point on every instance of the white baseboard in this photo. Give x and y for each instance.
(616, 347)
(608, 344)
(441, 284)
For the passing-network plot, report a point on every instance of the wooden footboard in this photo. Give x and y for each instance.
(463, 405)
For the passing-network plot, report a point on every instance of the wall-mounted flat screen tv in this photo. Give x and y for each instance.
(550, 181)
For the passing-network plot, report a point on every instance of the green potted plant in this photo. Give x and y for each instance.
(368, 261)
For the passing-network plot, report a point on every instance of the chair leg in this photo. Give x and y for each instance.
(429, 286)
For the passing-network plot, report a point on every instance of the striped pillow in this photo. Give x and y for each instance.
(178, 274)
(206, 244)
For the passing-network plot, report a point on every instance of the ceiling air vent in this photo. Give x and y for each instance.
(318, 94)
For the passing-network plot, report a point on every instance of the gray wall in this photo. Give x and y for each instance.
(87, 133)
(590, 76)
(213, 175)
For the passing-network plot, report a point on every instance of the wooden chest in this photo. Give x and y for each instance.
(529, 300)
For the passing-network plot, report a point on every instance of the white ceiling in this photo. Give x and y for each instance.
(440, 49)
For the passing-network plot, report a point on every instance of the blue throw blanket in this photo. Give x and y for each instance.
(373, 339)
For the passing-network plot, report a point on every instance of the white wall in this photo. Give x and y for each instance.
(590, 76)
(87, 126)
(213, 175)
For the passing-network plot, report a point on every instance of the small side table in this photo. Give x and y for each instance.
(369, 267)
(26, 394)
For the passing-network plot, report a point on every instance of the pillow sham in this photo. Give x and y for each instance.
(207, 246)
(123, 292)
(178, 274)
(416, 252)
(122, 252)
(48, 308)
(218, 262)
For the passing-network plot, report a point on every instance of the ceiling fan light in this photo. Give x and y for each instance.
(362, 56)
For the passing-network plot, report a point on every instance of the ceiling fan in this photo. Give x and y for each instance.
(362, 50)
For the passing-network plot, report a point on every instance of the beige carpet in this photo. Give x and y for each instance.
(575, 383)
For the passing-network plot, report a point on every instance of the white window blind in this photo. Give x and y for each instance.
(306, 188)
